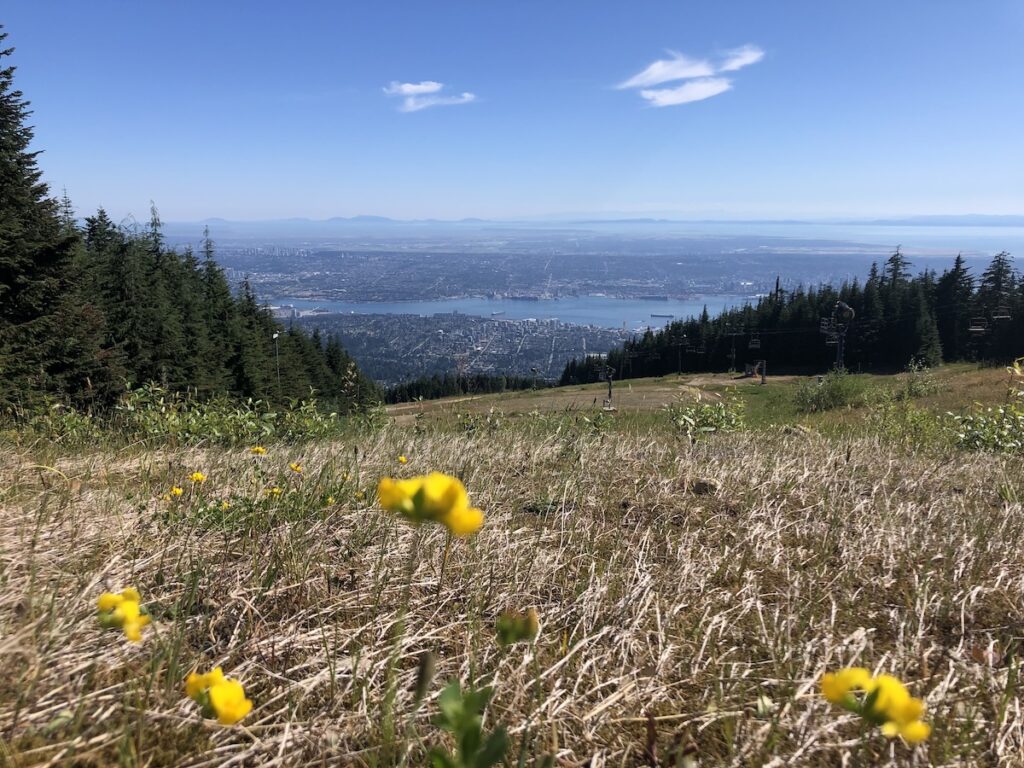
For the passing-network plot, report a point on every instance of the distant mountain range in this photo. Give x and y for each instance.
(965, 220)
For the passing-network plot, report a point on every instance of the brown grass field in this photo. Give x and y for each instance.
(682, 623)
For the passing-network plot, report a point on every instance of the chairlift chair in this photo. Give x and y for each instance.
(978, 325)
(755, 343)
(1001, 313)
(702, 349)
(831, 340)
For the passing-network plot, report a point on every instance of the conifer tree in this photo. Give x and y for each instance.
(48, 343)
(953, 294)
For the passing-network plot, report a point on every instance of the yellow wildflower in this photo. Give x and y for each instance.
(881, 700)
(275, 491)
(196, 683)
(225, 505)
(402, 460)
(123, 611)
(219, 696)
(836, 686)
(197, 477)
(435, 497)
(295, 467)
(177, 491)
(258, 450)
(331, 500)
(360, 495)
(229, 702)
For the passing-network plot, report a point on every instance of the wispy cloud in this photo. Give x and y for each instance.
(741, 57)
(412, 89)
(698, 75)
(693, 90)
(679, 67)
(427, 93)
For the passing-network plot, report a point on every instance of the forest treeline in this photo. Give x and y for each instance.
(450, 385)
(897, 318)
(88, 310)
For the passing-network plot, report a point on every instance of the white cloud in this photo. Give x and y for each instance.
(679, 67)
(416, 103)
(698, 76)
(412, 89)
(417, 96)
(741, 57)
(693, 90)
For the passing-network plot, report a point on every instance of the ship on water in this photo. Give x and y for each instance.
(670, 317)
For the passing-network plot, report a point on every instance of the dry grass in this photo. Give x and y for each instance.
(655, 601)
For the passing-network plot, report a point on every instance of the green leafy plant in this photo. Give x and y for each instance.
(997, 428)
(462, 716)
(837, 389)
(700, 419)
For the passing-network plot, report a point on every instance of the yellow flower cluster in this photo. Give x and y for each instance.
(197, 477)
(402, 460)
(881, 700)
(258, 450)
(296, 468)
(218, 696)
(123, 611)
(435, 497)
(174, 493)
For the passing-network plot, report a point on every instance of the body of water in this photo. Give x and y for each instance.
(603, 311)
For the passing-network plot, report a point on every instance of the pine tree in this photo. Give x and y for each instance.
(996, 289)
(48, 343)
(220, 316)
(953, 294)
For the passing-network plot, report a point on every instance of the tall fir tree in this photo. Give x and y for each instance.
(49, 342)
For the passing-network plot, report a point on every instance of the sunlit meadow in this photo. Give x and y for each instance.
(631, 597)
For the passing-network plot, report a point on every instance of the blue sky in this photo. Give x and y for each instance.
(255, 110)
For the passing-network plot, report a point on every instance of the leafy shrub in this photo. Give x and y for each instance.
(916, 381)
(704, 418)
(999, 429)
(837, 389)
(897, 421)
(153, 413)
(488, 423)
(996, 428)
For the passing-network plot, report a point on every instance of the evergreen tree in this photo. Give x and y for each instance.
(953, 294)
(48, 342)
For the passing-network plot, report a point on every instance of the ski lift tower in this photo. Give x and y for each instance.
(609, 373)
(842, 318)
(733, 332)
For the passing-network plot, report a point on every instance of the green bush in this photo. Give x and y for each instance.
(152, 413)
(837, 389)
(703, 418)
(916, 381)
(897, 421)
(996, 428)
(999, 429)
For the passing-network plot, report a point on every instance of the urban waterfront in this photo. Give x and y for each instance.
(601, 311)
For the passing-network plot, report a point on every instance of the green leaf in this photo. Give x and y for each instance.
(493, 750)
(440, 759)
